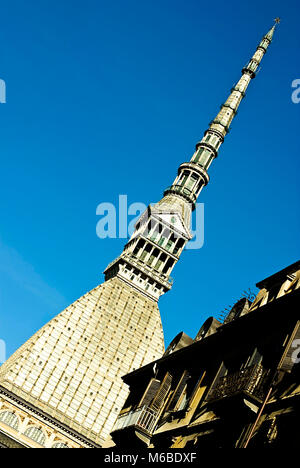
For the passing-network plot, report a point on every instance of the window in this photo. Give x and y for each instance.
(150, 392)
(208, 161)
(191, 182)
(255, 359)
(154, 234)
(146, 251)
(169, 245)
(168, 266)
(178, 246)
(183, 178)
(143, 255)
(138, 247)
(60, 445)
(183, 403)
(10, 419)
(199, 186)
(203, 156)
(198, 154)
(36, 434)
(179, 399)
(154, 255)
(222, 372)
(162, 393)
(160, 261)
(164, 237)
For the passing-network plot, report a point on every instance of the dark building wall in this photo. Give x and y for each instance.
(211, 392)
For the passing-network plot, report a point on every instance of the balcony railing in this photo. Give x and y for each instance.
(156, 275)
(142, 418)
(250, 380)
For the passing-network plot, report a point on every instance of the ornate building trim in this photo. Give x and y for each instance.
(51, 422)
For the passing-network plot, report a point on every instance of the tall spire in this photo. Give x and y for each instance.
(164, 229)
(192, 176)
(63, 387)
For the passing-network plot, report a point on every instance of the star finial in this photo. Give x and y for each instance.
(277, 20)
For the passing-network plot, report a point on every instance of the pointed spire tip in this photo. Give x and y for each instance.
(270, 34)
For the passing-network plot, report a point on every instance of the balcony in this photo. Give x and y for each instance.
(143, 418)
(250, 380)
(182, 190)
(160, 277)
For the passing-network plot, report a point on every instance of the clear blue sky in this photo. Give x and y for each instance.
(108, 98)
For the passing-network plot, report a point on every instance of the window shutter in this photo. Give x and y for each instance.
(162, 393)
(179, 390)
(150, 392)
(288, 359)
(256, 358)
